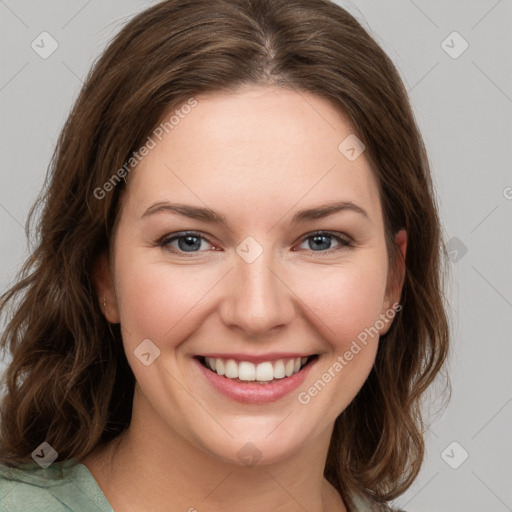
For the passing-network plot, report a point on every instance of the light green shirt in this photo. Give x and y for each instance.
(34, 489)
(65, 486)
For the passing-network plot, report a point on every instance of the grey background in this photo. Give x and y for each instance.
(464, 108)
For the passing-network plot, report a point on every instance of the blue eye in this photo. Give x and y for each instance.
(187, 242)
(322, 240)
(190, 242)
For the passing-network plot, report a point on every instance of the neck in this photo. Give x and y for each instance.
(153, 467)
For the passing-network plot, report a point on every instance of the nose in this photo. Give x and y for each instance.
(257, 298)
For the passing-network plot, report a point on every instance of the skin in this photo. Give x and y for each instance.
(257, 157)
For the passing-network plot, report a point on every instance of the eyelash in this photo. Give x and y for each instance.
(166, 240)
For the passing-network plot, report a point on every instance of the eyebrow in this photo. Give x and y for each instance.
(211, 216)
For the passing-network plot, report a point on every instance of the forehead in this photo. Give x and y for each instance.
(264, 148)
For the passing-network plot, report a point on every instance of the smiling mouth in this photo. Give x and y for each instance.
(264, 373)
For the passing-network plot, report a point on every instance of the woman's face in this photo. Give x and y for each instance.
(258, 287)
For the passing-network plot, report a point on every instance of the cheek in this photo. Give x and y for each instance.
(346, 303)
(157, 301)
(345, 299)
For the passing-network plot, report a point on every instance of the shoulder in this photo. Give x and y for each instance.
(62, 487)
(20, 497)
(27, 488)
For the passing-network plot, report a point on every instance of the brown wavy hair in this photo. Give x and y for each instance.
(69, 382)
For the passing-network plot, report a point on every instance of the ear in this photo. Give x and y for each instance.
(396, 277)
(104, 284)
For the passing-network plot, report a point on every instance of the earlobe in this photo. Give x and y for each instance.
(395, 280)
(401, 242)
(400, 266)
(104, 285)
(397, 274)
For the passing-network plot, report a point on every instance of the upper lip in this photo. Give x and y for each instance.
(273, 356)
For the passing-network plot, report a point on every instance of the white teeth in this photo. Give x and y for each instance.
(218, 365)
(262, 372)
(290, 365)
(279, 369)
(246, 371)
(231, 369)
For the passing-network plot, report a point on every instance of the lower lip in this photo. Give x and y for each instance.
(252, 392)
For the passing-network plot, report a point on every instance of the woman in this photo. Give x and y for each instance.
(236, 300)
